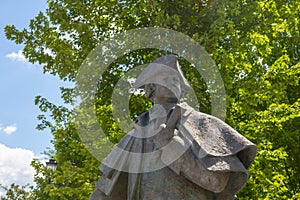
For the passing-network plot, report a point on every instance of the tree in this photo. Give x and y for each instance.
(255, 45)
(16, 192)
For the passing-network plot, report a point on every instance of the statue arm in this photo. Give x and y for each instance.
(193, 170)
(190, 167)
(187, 165)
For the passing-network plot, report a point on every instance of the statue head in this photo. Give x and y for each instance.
(163, 78)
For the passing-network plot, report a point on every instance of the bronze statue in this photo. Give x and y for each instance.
(174, 151)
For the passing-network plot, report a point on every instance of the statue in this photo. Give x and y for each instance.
(177, 152)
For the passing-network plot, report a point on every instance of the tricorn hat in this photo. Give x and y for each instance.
(164, 71)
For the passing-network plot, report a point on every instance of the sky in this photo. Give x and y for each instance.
(20, 82)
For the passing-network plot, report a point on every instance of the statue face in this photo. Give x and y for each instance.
(158, 93)
(149, 90)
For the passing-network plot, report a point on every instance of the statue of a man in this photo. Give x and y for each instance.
(174, 151)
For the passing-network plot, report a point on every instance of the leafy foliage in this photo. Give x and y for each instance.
(16, 192)
(255, 45)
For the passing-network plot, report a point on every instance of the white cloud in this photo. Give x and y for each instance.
(8, 129)
(15, 166)
(49, 52)
(17, 56)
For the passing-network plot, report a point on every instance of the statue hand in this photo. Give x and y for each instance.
(174, 118)
(164, 136)
(168, 130)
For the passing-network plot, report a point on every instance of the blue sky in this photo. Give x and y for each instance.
(20, 82)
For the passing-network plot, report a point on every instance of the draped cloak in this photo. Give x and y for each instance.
(135, 169)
